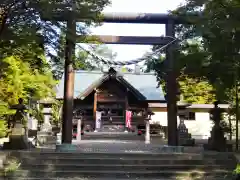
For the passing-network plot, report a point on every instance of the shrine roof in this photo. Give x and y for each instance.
(145, 83)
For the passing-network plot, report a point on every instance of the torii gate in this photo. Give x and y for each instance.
(144, 18)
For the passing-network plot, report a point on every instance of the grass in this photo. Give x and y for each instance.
(11, 165)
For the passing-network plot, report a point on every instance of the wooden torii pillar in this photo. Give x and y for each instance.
(67, 115)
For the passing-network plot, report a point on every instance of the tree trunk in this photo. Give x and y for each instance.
(3, 20)
(230, 127)
(237, 116)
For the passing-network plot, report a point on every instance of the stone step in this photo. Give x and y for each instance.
(129, 161)
(125, 168)
(117, 174)
(137, 138)
(112, 156)
(219, 155)
(119, 148)
(116, 157)
(89, 178)
(69, 165)
(110, 133)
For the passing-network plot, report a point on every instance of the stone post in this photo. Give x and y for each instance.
(47, 127)
(147, 134)
(79, 130)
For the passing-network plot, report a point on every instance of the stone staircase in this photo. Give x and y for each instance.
(112, 132)
(50, 165)
(112, 136)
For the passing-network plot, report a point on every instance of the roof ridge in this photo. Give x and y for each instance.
(122, 73)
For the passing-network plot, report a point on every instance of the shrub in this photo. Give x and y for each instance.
(11, 166)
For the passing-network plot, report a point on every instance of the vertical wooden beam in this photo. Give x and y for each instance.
(126, 108)
(171, 89)
(95, 107)
(68, 82)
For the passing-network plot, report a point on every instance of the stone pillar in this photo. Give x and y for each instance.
(79, 130)
(47, 119)
(47, 127)
(147, 134)
(45, 133)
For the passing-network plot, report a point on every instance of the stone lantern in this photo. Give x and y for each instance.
(184, 138)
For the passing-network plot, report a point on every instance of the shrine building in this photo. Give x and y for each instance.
(113, 93)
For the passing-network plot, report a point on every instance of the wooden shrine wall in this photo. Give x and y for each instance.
(111, 95)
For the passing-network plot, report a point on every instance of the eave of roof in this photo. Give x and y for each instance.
(144, 83)
(91, 88)
(105, 77)
(192, 106)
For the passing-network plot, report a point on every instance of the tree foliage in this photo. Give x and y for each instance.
(196, 90)
(27, 37)
(219, 31)
(19, 80)
(25, 22)
(3, 128)
(56, 112)
(193, 87)
(210, 46)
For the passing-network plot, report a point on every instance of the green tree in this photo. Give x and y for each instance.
(210, 45)
(25, 22)
(19, 80)
(218, 32)
(218, 27)
(26, 37)
(193, 89)
(56, 112)
(196, 90)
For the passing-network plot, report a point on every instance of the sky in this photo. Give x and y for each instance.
(130, 52)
